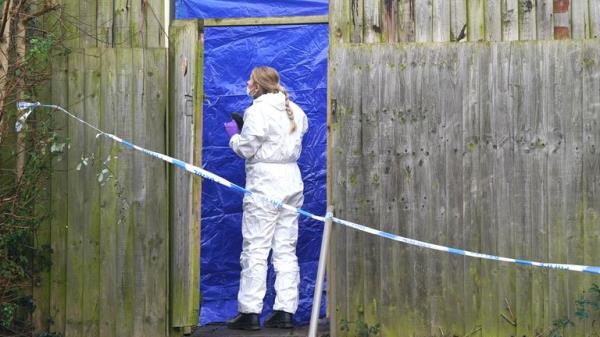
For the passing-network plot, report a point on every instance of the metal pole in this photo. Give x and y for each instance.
(314, 317)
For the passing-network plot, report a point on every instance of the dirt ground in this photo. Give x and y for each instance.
(220, 330)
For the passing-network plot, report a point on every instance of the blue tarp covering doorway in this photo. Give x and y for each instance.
(299, 52)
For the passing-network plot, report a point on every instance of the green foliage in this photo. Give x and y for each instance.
(589, 304)
(360, 328)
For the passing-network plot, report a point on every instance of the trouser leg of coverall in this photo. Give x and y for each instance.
(285, 261)
(258, 227)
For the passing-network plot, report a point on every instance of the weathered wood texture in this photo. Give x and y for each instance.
(186, 124)
(115, 23)
(390, 21)
(109, 231)
(491, 148)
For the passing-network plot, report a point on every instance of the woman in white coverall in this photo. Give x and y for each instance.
(271, 142)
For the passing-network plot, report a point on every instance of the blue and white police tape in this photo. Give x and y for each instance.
(211, 176)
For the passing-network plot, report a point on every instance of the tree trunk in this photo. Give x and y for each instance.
(5, 41)
(21, 49)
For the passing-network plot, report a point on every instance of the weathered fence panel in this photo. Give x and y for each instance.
(186, 76)
(110, 222)
(371, 21)
(490, 148)
(117, 23)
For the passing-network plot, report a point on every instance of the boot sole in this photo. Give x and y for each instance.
(280, 326)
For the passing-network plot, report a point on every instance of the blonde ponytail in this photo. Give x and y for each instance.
(288, 109)
(267, 79)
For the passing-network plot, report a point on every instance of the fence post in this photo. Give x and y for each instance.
(314, 317)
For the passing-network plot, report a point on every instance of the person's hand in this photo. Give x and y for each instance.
(231, 128)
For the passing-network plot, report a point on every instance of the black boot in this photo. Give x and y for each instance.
(244, 322)
(279, 319)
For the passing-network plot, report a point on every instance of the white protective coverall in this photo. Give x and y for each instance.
(271, 152)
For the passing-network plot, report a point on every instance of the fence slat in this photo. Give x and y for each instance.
(527, 20)
(441, 20)
(370, 167)
(487, 222)
(77, 222)
(458, 19)
(510, 20)
(91, 205)
(109, 199)
(545, 22)
(59, 200)
(591, 161)
(185, 249)
(423, 20)
(580, 20)
(471, 211)
(391, 23)
(476, 20)
(406, 12)
(125, 262)
(87, 21)
(372, 19)
(155, 250)
(493, 21)
(594, 19)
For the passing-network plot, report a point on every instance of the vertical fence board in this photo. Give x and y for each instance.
(59, 201)
(357, 21)
(154, 25)
(155, 248)
(406, 12)
(458, 19)
(185, 250)
(452, 97)
(591, 162)
(580, 19)
(110, 204)
(487, 224)
(493, 21)
(120, 24)
(391, 23)
(87, 20)
(70, 9)
(78, 221)
(417, 187)
(558, 180)
(124, 112)
(594, 19)
(423, 20)
(91, 203)
(476, 20)
(433, 156)
(139, 187)
(545, 25)
(574, 161)
(510, 20)
(441, 20)
(104, 22)
(503, 136)
(538, 114)
(370, 167)
(471, 208)
(354, 193)
(372, 19)
(339, 22)
(527, 20)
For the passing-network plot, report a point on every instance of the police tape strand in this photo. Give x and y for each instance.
(21, 106)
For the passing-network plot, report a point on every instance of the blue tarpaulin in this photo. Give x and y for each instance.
(299, 53)
(218, 9)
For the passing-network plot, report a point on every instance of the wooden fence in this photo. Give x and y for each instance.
(486, 147)
(389, 21)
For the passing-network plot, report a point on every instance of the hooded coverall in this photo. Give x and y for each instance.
(271, 152)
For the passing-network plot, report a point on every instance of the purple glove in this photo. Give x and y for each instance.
(231, 128)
